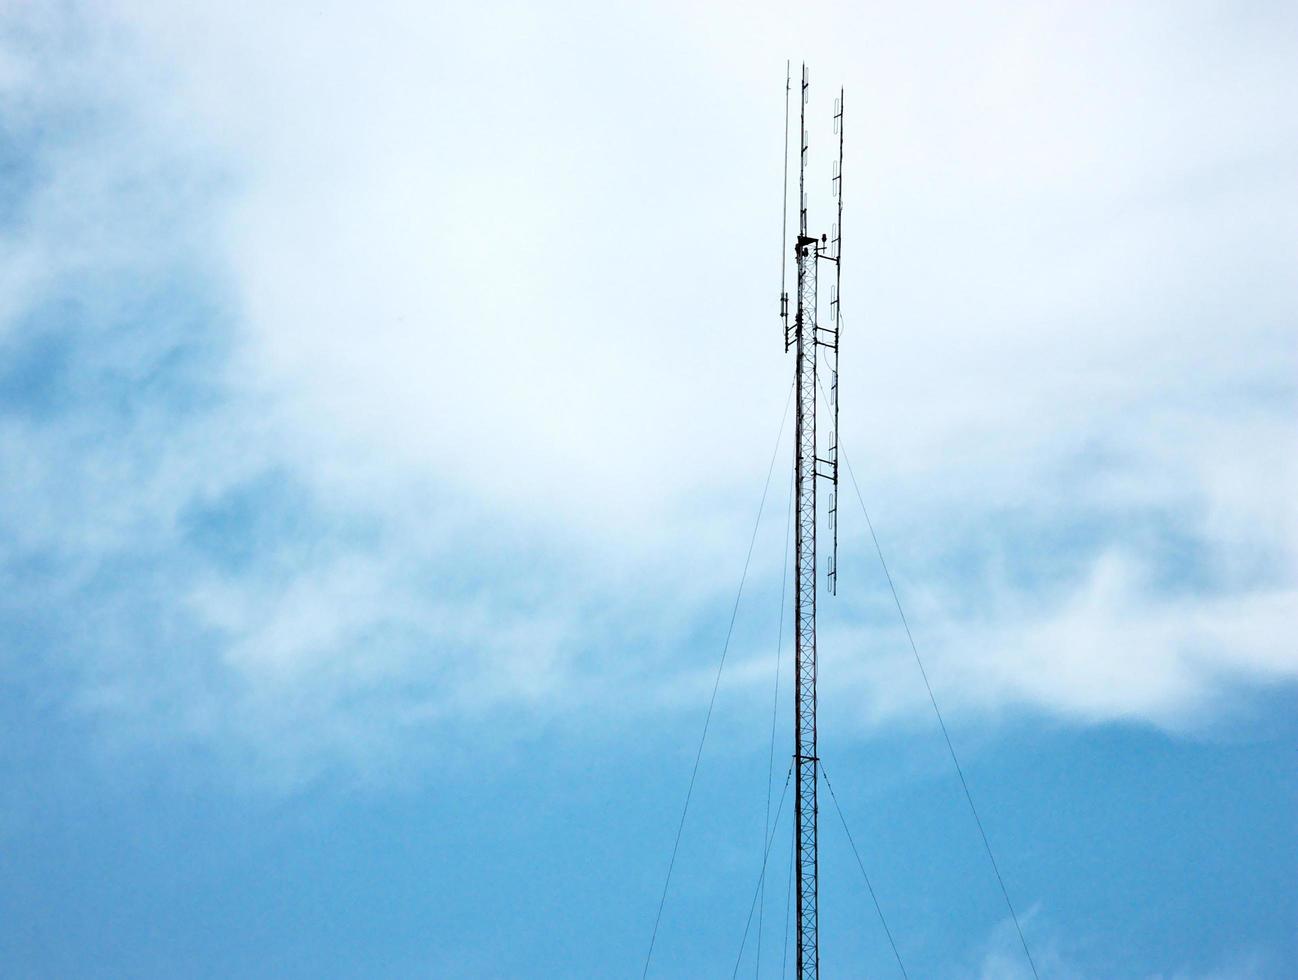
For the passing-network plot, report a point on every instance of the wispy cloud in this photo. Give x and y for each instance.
(367, 370)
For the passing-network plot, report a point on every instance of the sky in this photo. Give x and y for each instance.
(387, 399)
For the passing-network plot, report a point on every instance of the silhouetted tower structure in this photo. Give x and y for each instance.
(815, 355)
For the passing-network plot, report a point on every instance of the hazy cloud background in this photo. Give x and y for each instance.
(463, 326)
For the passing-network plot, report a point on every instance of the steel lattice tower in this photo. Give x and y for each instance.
(806, 337)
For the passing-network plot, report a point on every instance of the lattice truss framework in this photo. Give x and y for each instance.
(805, 599)
(807, 337)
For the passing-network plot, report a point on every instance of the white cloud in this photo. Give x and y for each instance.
(501, 284)
(1112, 649)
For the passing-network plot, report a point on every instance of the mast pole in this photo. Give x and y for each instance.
(805, 758)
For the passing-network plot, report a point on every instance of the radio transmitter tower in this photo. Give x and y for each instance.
(815, 349)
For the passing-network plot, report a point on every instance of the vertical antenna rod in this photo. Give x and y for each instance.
(784, 213)
(831, 337)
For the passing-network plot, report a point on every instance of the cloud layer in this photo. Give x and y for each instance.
(371, 370)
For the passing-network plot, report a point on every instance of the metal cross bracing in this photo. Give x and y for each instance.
(806, 337)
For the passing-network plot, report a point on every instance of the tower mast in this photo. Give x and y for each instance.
(806, 339)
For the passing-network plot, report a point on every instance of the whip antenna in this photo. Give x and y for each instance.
(784, 212)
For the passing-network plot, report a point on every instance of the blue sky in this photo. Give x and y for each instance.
(385, 400)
